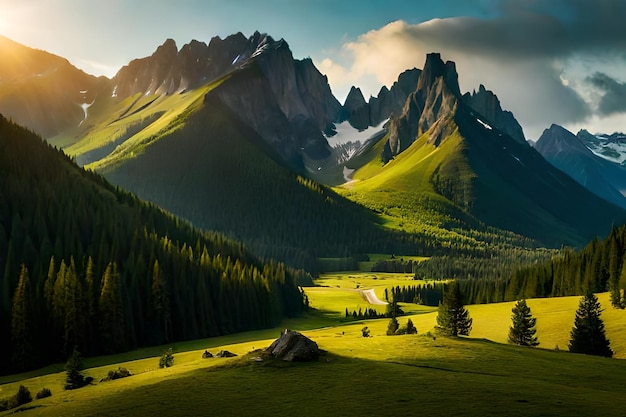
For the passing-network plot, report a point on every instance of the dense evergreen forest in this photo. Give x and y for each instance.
(85, 264)
(598, 267)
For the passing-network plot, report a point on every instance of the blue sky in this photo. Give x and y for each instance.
(549, 61)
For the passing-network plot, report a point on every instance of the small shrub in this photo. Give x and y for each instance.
(4, 404)
(117, 374)
(365, 331)
(45, 392)
(22, 397)
(74, 377)
(167, 359)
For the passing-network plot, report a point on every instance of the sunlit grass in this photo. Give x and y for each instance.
(143, 118)
(380, 375)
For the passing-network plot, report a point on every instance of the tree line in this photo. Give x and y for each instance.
(598, 267)
(84, 264)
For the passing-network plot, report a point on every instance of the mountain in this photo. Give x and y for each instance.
(611, 147)
(237, 136)
(44, 91)
(568, 153)
(232, 154)
(487, 105)
(442, 156)
(361, 114)
(85, 264)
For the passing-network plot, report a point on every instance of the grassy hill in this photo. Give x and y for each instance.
(379, 375)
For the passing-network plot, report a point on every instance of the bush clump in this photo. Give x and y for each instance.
(117, 374)
(167, 359)
(21, 397)
(45, 392)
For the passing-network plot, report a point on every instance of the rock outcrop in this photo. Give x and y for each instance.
(433, 103)
(487, 104)
(361, 114)
(293, 346)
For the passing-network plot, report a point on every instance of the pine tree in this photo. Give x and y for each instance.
(410, 327)
(522, 332)
(392, 327)
(587, 335)
(615, 259)
(73, 367)
(112, 325)
(161, 299)
(22, 323)
(453, 319)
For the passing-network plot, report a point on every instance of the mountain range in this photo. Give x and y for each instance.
(571, 155)
(234, 135)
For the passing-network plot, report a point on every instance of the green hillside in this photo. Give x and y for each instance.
(221, 175)
(85, 264)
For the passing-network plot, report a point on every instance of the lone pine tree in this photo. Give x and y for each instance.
(522, 332)
(453, 318)
(587, 335)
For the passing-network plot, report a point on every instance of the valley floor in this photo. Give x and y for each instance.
(378, 375)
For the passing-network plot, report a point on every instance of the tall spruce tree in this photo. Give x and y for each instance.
(588, 335)
(22, 322)
(453, 318)
(522, 332)
(112, 325)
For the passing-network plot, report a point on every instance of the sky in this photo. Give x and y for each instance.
(548, 61)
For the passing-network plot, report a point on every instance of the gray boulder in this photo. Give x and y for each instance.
(293, 346)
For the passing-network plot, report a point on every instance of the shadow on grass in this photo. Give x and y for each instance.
(451, 384)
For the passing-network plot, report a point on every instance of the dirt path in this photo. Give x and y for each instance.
(370, 297)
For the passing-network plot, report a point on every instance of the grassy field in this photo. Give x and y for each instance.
(379, 375)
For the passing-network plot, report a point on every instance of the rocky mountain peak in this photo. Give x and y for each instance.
(168, 49)
(556, 139)
(435, 68)
(356, 110)
(487, 104)
(569, 153)
(434, 101)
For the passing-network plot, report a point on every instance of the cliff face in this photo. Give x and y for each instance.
(361, 114)
(436, 100)
(287, 101)
(487, 104)
(433, 103)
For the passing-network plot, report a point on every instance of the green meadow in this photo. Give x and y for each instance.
(378, 375)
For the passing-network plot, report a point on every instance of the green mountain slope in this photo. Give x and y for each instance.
(449, 169)
(221, 175)
(82, 263)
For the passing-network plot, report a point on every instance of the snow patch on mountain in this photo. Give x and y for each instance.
(485, 125)
(346, 133)
(610, 147)
(85, 107)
